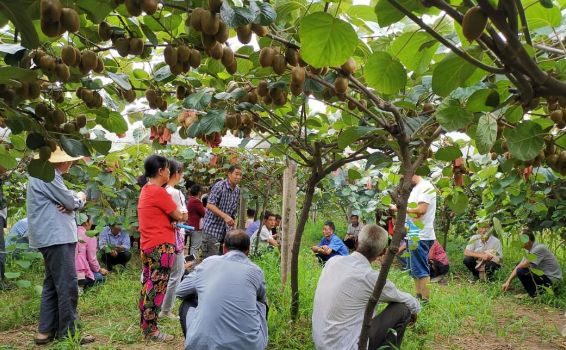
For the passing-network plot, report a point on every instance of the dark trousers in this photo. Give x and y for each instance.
(187, 303)
(532, 281)
(437, 268)
(2, 249)
(121, 259)
(388, 328)
(350, 243)
(58, 309)
(322, 258)
(490, 266)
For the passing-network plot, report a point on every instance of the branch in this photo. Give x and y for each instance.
(177, 7)
(281, 40)
(524, 23)
(446, 42)
(549, 49)
(425, 147)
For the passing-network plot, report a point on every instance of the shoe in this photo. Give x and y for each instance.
(44, 341)
(473, 279)
(437, 279)
(168, 315)
(160, 337)
(87, 339)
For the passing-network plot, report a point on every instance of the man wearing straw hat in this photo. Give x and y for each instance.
(52, 229)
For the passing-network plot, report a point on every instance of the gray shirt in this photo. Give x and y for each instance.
(354, 230)
(546, 262)
(231, 311)
(477, 246)
(47, 225)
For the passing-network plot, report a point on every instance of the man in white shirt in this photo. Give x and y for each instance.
(483, 253)
(354, 228)
(266, 238)
(422, 213)
(343, 290)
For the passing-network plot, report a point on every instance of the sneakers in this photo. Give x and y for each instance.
(160, 337)
(437, 279)
(473, 279)
(168, 315)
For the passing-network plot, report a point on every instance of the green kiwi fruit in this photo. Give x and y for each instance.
(210, 22)
(68, 55)
(70, 20)
(135, 46)
(195, 58)
(279, 64)
(244, 33)
(266, 56)
(292, 56)
(183, 53)
(170, 55)
(222, 35)
(227, 56)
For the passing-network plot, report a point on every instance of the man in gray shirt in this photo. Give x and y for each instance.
(52, 229)
(225, 305)
(543, 270)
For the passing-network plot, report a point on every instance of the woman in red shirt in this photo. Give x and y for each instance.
(196, 213)
(156, 211)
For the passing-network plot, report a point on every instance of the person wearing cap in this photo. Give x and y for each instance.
(52, 228)
(484, 253)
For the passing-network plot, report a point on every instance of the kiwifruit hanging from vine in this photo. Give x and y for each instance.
(208, 41)
(223, 33)
(151, 96)
(214, 5)
(252, 97)
(474, 23)
(149, 6)
(177, 68)
(58, 116)
(70, 20)
(52, 29)
(88, 59)
(216, 51)
(170, 55)
(104, 31)
(50, 10)
(262, 89)
(244, 33)
(196, 17)
(195, 58)
(259, 30)
(227, 56)
(364, 104)
(341, 85)
(296, 89)
(135, 46)
(133, 7)
(279, 64)
(62, 72)
(47, 62)
(266, 56)
(129, 95)
(428, 107)
(231, 121)
(181, 92)
(99, 65)
(210, 22)
(163, 106)
(68, 55)
(298, 75)
(122, 45)
(557, 116)
(81, 121)
(183, 53)
(292, 56)
(351, 105)
(232, 68)
(349, 67)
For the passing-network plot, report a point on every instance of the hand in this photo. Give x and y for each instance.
(392, 207)
(413, 320)
(505, 286)
(103, 271)
(228, 220)
(315, 249)
(114, 253)
(62, 209)
(82, 196)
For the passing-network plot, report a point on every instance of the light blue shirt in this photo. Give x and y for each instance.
(107, 238)
(47, 225)
(231, 311)
(19, 230)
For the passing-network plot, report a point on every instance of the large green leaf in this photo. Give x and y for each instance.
(483, 100)
(486, 133)
(452, 116)
(387, 14)
(264, 13)
(7, 161)
(458, 202)
(113, 122)
(213, 121)
(350, 135)
(414, 50)
(385, 73)
(539, 16)
(525, 141)
(326, 40)
(199, 100)
(96, 10)
(9, 74)
(15, 11)
(378, 160)
(451, 73)
(41, 169)
(448, 153)
(236, 16)
(121, 79)
(101, 146)
(73, 147)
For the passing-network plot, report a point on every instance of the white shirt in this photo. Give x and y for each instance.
(477, 246)
(178, 198)
(264, 235)
(424, 192)
(343, 290)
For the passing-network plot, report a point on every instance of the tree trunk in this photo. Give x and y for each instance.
(402, 197)
(309, 193)
(289, 218)
(242, 212)
(446, 228)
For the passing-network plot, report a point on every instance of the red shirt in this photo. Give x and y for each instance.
(195, 212)
(154, 207)
(437, 253)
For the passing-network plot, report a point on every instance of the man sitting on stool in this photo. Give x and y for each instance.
(114, 244)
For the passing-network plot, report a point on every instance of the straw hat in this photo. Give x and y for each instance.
(59, 156)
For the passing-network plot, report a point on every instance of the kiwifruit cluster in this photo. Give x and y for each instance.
(270, 57)
(180, 59)
(474, 23)
(128, 95)
(187, 118)
(129, 46)
(155, 100)
(135, 7)
(36, 141)
(298, 75)
(557, 110)
(56, 19)
(18, 91)
(181, 92)
(92, 99)
(274, 95)
(239, 123)
(352, 106)
(55, 119)
(86, 61)
(249, 97)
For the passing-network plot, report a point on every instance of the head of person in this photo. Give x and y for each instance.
(269, 220)
(156, 168)
(61, 160)
(195, 190)
(175, 172)
(237, 240)
(328, 229)
(250, 213)
(372, 242)
(277, 220)
(115, 228)
(234, 175)
(416, 179)
(188, 184)
(354, 220)
(484, 230)
(529, 244)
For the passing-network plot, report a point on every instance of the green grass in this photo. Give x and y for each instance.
(458, 310)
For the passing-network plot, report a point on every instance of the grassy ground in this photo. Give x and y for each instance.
(459, 316)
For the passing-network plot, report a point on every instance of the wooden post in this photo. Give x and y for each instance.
(242, 211)
(288, 218)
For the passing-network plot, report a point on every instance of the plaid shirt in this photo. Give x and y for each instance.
(227, 200)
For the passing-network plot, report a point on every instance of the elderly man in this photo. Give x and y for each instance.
(114, 244)
(52, 229)
(225, 305)
(343, 290)
(483, 254)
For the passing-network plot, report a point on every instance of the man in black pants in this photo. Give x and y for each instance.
(114, 244)
(484, 252)
(542, 271)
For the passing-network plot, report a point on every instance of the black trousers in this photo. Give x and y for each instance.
(437, 268)
(490, 266)
(187, 303)
(121, 259)
(350, 243)
(2, 249)
(388, 328)
(531, 282)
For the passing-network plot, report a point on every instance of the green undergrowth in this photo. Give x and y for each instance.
(457, 308)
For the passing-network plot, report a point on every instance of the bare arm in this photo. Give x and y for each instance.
(522, 265)
(216, 211)
(420, 210)
(177, 215)
(477, 255)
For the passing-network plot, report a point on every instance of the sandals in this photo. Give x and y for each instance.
(87, 339)
(160, 337)
(44, 341)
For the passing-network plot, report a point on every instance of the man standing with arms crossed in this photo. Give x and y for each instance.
(222, 205)
(424, 195)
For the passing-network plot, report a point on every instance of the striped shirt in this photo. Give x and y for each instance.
(227, 200)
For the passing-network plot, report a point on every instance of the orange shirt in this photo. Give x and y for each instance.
(154, 207)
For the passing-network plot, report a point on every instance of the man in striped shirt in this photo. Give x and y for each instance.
(222, 207)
